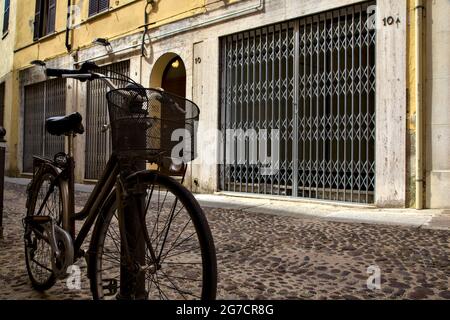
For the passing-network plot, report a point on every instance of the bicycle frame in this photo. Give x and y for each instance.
(91, 209)
(103, 188)
(101, 191)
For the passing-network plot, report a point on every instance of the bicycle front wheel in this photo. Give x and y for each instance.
(177, 231)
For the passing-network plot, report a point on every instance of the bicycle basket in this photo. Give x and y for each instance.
(148, 123)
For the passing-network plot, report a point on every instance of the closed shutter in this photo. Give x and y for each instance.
(42, 100)
(93, 7)
(98, 143)
(96, 6)
(37, 19)
(6, 17)
(55, 105)
(103, 5)
(51, 16)
(33, 124)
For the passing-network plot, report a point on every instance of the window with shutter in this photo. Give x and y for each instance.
(93, 7)
(103, 5)
(51, 16)
(97, 6)
(6, 17)
(44, 18)
(37, 20)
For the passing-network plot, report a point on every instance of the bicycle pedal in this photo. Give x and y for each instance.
(111, 286)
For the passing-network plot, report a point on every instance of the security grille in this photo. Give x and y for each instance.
(98, 142)
(42, 100)
(298, 108)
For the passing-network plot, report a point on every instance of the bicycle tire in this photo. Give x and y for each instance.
(203, 233)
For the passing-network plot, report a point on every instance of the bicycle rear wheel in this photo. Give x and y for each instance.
(38, 253)
(179, 234)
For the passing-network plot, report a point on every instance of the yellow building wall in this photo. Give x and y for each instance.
(123, 18)
(7, 40)
(7, 76)
(12, 114)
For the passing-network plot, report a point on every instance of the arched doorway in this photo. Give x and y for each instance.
(169, 73)
(174, 77)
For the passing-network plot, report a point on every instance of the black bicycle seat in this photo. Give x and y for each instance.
(65, 125)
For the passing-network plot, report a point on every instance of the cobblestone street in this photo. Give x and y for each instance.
(262, 256)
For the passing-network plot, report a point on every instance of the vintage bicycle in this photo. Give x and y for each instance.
(149, 237)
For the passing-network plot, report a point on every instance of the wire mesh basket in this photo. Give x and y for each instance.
(148, 124)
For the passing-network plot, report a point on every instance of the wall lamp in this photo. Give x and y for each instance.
(102, 41)
(176, 64)
(38, 63)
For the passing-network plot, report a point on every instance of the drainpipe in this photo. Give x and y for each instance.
(419, 12)
(68, 45)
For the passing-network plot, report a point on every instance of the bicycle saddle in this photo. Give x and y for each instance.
(65, 125)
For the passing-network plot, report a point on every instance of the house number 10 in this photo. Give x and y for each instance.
(389, 21)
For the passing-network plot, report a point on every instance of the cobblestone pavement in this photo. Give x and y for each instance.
(263, 256)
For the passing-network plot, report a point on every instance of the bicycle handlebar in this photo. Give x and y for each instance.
(60, 72)
(66, 73)
(85, 72)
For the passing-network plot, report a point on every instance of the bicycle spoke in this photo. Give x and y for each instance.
(172, 262)
(41, 265)
(111, 257)
(106, 269)
(159, 212)
(112, 238)
(185, 251)
(187, 279)
(172, 247)
(167, 286)
(161, 292)
(166, 225)
(179, 244)
(174, 285)
(164, 200)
